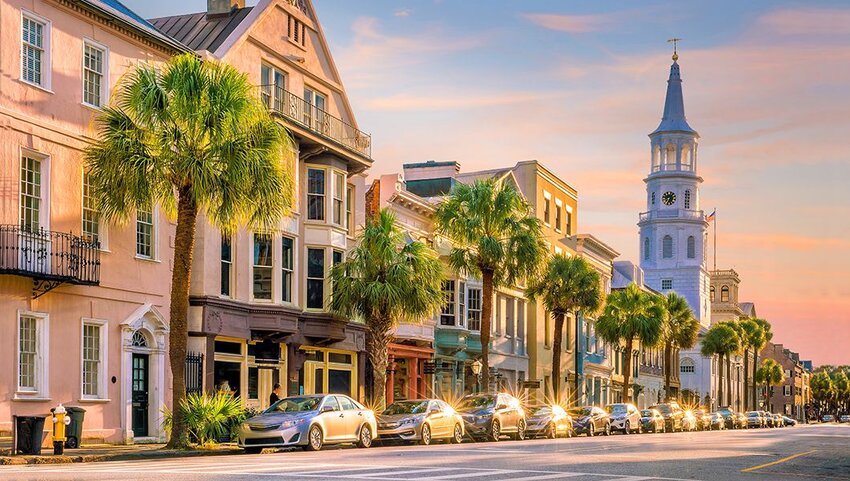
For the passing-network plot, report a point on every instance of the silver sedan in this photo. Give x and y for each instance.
(309, 422)
(420, 420)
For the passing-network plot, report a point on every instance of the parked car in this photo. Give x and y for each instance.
(672, 415)
(791, 421)
(652, 421)
(420, 420)
(590, 420)
(689, 421)
(703, 419)
(491, 416)
(768, 418)
(740, 420)
(728, 417)
(778, 422)
(844, 418)
(548, 421)
(624, 418)
(755, 420)
(827, 418)
(717, 421)
(310, 422)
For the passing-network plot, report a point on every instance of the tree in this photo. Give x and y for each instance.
(191, 137)
(823, 390)
(495, 238)
(630, 315)
(770, 374)
(679, 330)
(386, 280)
(841, 390)
(768, 335)
(568, 286)
(721, 340)
(753, 338)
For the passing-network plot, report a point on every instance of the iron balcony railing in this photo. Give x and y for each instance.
(672, 214)
(49, 256)
(283, 102)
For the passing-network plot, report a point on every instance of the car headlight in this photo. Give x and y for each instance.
(292, 423)
(407, 421)
(245, 427)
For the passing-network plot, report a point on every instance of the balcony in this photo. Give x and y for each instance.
(672, 214)
(49, 258)
(316, 120)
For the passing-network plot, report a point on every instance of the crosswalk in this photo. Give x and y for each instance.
(263, 467)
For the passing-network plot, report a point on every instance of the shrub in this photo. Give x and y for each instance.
(210, 417)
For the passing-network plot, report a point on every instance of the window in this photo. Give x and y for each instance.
(667, 247)
(94, 70)
(315, 194)
(687, 366)
(273, 83)
(226, 264)
(546, 203)
(646, 248)
(520, 325)
(687, 199)
(786, 390)
(286, 268)
(713, 294)
(447, 314)
(314, 110)
(295, 30)
(473, 313)
(90, 228)
(339, 189)
(315, 278)
(557, 217)
(349, 209)
(724, 294)
(144, 233)
(461, 303)
(692, 247)
(35, 44)
(547, 329)
(653, 198)
(666, 284)
(94, 352)
(262, 266)
(510, 322)
(32, 350)
(569, 228)
(30, 193)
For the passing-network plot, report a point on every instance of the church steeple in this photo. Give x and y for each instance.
(674, 105)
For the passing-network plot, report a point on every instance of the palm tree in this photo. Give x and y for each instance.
(768, 335)
(495, 238)
(680, 330)
(194, 138)
(753, 338)
(770, 374)
(631, 315)
(721, 340)
(386, 280)
(568, 285)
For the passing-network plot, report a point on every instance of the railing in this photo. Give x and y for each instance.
(283, 102)
(48, 255)
(194, 372)
(672, 214)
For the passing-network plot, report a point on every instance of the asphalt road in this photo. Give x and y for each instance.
(793, 454)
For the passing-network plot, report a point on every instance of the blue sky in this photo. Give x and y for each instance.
(578, 85)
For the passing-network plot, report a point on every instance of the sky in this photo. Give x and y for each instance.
(579, 85)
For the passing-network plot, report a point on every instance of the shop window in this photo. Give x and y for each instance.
(339, 357)
(339, 381)
(228, 347)
(228, 376)
(253, 383)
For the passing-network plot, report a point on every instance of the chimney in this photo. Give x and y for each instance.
(223, 7)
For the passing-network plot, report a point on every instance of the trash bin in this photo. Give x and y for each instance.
(74, 431)
(29, 431)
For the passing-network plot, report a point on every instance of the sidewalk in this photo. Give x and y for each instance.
(90, 453)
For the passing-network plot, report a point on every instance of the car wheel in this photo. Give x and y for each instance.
(520, 430)
(640, 429)
(570, 432)
(314, 438)
(495, 430)
(365, 440)
(425, 439)
(551, 431)
(457, 436)
(627, 429)
(591, 430)
(608, 429)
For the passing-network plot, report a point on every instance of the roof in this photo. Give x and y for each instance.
(116, 10)
(748, 308)
(673, 119)
(198, 30)
(471, 177)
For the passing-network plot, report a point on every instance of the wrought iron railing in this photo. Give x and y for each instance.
(285, 103)
(49, 256)
(194, 372)
(672, 214)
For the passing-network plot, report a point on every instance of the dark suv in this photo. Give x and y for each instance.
(490, 416)
(729, 416)
(672, 413)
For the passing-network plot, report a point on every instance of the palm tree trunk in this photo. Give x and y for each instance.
(769, 398)
(557, 339)
(377, 341)
(668, 373)
(578, 381)
(719, 379)
(729, 380)
(627, 372)
(755, 384)
(746, 379)
(486, 322)
(184, 245)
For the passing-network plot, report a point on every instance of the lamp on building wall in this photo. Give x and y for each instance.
(476, 369)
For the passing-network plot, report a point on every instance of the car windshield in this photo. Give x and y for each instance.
(295, 405)
(616, 409)
(752, 414)
(663, 408)
(580, 411)
(538, 410)
(477, 402)
(406, 407)
(646, 413)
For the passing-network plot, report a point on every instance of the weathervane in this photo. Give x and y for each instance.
(675, 42)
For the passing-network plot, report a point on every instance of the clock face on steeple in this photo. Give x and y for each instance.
(668, 198)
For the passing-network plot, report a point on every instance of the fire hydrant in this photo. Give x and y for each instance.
(60, 420)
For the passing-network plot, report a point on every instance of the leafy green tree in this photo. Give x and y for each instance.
(752, 339)
(823, 390)
(768, 336)
(770, 374)
(495, 238)
(631, 315)
(722, 341)
(679, 330)
(567, 286)
(386, 280)
(193, 138)
(841, 390)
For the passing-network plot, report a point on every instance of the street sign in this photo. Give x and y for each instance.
(530, 384)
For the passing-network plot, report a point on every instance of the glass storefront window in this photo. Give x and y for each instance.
(253, 383)
(339, 381)
(228, 376)
(339, 357)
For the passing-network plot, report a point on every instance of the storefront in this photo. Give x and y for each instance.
(406, 377)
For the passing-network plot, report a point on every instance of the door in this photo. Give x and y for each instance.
(140, 394)
(353, 417)
(333, 421)
(441, 422)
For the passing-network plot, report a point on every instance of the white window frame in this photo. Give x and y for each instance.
(323, 195)
(349, 209)
(288, 270)
(445, 304)
(559, 207)
(42, 359)
(471, 310)
(102, 385)
(270, 267)
(276, 93)
(547, 204)
(46, 70)
(44, 186)
(231, 275)
(101, 235)
(104, 83)
(308, 278)
(338, 211)
(154, 255)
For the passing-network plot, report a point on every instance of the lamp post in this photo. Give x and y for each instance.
(476, 369)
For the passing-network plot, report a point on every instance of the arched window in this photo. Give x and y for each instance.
(646, 248)
(687, 199)
(687, 366)
(670, 157)
(724, 294)
(692, 247)
(713, 294)
(653, 198)
(667, 247)
(139, 340)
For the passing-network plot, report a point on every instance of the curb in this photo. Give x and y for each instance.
(97, 458)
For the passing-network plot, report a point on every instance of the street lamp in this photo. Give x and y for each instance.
(476, 369)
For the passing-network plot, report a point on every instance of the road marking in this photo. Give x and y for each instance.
(548, 476)
(778, 461)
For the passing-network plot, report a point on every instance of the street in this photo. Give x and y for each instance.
(805, 452)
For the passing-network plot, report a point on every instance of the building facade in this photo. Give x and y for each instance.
(791, 398)
(84, 308)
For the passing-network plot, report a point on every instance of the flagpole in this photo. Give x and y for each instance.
(714, 219)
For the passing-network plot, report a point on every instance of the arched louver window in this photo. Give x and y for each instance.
(692, 247)
(713, 294)
(687, 199)
(646, 248)
(653, 198)
(667, 247)
(687, 366)
(724, 294)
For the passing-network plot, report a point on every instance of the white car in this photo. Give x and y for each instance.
(624, 418)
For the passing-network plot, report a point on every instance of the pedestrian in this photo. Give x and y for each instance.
(277, 392)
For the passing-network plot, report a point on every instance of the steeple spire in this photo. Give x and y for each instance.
(674, 105)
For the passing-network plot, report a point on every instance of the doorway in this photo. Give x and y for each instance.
(139, 395)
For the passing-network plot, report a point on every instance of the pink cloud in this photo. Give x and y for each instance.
(571, 23)
(818, 21)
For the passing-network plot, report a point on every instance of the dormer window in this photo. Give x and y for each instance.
(296, 31)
